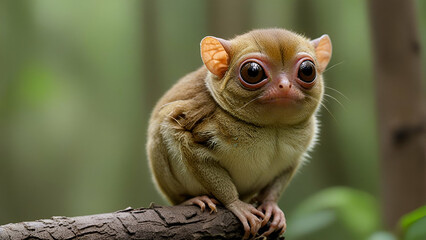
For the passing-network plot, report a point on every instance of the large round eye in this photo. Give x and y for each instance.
(252, 73)
(307, 71)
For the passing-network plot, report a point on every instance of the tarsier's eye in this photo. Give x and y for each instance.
(307, 71)
(252, 73)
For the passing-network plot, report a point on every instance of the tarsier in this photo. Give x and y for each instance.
(235, 131)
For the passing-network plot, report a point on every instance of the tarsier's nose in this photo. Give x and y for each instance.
(283, 90)
(284, 84)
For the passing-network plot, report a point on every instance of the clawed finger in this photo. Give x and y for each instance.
(214, 201)
(278, 222)
(283, 230)
(211, 204)
(267, 233)
(246, 229)
(255, 224)
(268, 213)
(257, 212)
(250, 217)
(200, 203)
(282, 225)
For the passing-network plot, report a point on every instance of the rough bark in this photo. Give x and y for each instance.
(156, 222)
(401, 119)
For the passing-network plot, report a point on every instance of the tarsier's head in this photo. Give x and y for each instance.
(267, 77)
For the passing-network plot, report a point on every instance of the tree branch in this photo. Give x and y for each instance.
(156, 222)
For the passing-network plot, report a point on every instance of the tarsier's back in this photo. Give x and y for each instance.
(236, 130)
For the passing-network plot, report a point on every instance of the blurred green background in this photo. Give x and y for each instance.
(78, 80)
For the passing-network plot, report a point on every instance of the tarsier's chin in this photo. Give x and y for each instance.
(236, 130)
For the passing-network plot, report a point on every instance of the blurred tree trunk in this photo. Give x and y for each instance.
(307, 24)
(150, 63)
(227, 19)
(399, 102)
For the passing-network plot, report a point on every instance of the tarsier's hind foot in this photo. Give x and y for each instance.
(250, 217)
(276, 215)
(201, 201)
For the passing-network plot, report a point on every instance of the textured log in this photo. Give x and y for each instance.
(156, 222)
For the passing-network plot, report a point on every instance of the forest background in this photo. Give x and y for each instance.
(78, 80)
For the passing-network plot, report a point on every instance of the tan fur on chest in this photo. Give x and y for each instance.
(252, 155)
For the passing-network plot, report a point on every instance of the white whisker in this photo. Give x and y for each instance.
(335, 99)
(245, 105)
(322, 104)
(337, 91)
(337, 64)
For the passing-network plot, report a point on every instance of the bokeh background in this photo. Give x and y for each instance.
(78, 80)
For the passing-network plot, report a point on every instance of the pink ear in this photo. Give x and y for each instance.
(323, 50)
(214, 55)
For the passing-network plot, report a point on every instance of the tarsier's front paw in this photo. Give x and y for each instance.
(250, 217)
(201, 201)
(270, 209)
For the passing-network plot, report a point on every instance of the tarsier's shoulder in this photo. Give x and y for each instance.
(188, 102)
(188, 87)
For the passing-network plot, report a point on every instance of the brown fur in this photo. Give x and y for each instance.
(207, 135)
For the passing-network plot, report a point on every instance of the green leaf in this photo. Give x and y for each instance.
(413, 224)
(357, 210)
(306, 224)
(412, 217)
(417, 230)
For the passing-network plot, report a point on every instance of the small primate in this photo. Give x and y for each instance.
(236, 130)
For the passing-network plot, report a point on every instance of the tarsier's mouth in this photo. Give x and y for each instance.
(281, 100)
